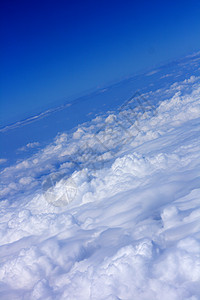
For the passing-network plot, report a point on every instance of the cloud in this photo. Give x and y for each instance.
(110, 210)
(29, 146)
(3, 160)
(192, 79)
(166, 75)
(34, 118)
(152, 72)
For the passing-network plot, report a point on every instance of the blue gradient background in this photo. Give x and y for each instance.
(52, 50)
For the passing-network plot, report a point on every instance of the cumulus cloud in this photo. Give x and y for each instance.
(110, 210)
(29, 146)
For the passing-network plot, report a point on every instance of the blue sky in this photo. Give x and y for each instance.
(52, 50)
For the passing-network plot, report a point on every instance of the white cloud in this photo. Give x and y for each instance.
(152, 72)
(29, 146)
(3, 160)
(192, 79)
(165, 76)
(110, 210)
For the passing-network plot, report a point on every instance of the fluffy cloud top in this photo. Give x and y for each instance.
(111, 210)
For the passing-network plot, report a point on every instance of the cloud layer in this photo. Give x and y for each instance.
(110, 210)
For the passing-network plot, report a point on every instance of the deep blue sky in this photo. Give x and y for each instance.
(56, 49)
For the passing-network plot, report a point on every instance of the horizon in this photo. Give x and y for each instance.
(54, 51)
(51, 107)
(42, 127)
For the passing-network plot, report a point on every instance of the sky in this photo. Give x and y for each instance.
(54, 50)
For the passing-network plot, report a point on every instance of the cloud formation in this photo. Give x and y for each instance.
(29, 146)
(110, 210)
